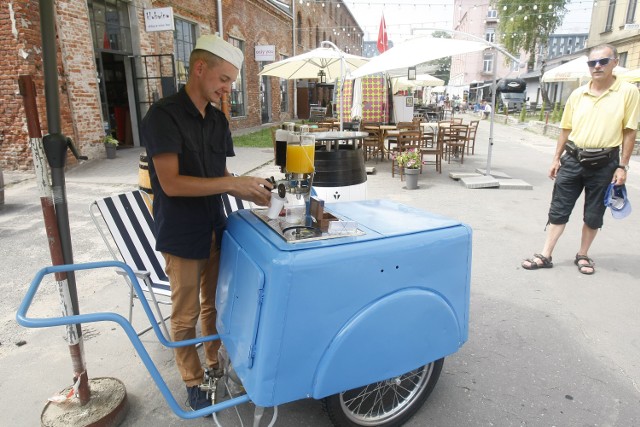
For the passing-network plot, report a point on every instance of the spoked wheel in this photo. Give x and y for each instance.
(386, 403)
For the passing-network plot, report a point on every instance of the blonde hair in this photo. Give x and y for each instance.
(200, 54)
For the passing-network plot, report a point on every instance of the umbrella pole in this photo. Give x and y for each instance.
(493, 112)
(55, 146)
(55, 211)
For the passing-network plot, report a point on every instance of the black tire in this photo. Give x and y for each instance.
(388, 403)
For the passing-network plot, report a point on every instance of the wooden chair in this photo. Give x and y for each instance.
(402, 126)
(454, 141)
(371, 143)
(471, 136)
(407, 140)
(456, 120)
(432, 146)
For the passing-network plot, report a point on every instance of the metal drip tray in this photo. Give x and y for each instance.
(293, 233)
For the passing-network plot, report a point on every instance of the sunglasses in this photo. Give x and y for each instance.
(601, 61)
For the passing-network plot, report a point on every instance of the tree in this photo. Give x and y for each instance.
(526, 26)
(442, 66)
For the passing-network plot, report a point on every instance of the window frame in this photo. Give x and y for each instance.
(238, 96)
(182, 55)
(611, 11)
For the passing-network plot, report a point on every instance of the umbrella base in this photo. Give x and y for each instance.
(107, 407)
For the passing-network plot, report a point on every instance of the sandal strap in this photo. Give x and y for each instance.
(542, 258)
(589, 263)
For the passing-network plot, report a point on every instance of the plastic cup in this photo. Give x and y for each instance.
(276, 205)
(294, 214)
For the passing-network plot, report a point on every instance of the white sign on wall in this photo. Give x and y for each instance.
(266, 52)
(158, 19)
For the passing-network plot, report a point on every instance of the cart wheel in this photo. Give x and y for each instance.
(386, 403)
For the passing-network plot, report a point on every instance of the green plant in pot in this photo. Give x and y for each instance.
(110, 144)
(411, 162)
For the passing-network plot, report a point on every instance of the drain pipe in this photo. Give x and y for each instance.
(219, 10)
(293, 41)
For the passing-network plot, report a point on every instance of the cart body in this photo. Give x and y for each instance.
(315, 318)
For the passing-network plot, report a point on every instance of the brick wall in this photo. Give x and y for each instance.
(256, 22)
(22, 55)
(246, 21)
(80, 88)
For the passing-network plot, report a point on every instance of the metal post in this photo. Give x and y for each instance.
(55, 146)
(493, 112)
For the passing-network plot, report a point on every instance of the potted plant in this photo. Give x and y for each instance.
(410, 161)
(110, 144)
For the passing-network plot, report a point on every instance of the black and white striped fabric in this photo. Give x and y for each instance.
(130, 223)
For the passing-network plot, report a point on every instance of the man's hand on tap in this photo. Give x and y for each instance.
(253, 189)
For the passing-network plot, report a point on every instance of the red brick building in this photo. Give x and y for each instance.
(115, 57)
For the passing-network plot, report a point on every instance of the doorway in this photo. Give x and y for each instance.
(114, 97)
(265, 96)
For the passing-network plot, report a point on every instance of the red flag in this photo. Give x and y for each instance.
(383, 42)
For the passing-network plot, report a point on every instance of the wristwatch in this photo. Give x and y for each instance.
(625, 167)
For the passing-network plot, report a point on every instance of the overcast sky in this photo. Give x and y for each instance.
(403, 16)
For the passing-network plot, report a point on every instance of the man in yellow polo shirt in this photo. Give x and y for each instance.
(598, 127)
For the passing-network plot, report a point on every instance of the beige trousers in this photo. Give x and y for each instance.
(193, 295)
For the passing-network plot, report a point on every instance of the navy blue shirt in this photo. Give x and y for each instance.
(184, 226)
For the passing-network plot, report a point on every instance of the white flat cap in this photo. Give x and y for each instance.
(225, 50)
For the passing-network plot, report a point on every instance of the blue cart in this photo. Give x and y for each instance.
(361, 320)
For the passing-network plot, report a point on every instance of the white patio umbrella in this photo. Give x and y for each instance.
(417, 51)
(574, 70)
(399, 83)
(335, 63)
(630, 75)
(356, 105)
(308, 64)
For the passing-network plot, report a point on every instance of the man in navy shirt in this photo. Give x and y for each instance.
(188, 141)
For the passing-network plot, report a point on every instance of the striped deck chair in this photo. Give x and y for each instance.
(129, 222)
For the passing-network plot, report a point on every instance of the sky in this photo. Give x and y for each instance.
(404, 16)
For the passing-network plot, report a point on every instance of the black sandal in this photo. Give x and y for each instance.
(533, 265)
(590, 264)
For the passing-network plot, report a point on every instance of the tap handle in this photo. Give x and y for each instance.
(282, 190)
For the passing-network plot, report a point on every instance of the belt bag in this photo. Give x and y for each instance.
(595, 159)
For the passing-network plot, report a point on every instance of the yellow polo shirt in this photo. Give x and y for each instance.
(597, 121)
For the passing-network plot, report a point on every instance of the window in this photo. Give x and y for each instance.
(490, 35)
(487, 63)
(299, 23)
(110, 25)
(610, 13)
(623, 59)
(284, 92)
(492, 13)
(631, 12)
(237, 88)
(184, 40)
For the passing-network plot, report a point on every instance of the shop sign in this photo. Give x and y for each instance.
(266, 53)
(158, 19)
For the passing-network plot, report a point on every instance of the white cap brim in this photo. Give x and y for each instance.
(219, 47)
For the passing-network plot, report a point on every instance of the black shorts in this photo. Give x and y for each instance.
(572, 178)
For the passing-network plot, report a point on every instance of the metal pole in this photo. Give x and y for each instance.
(342, 60)
(55, 146)
(487, 171)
